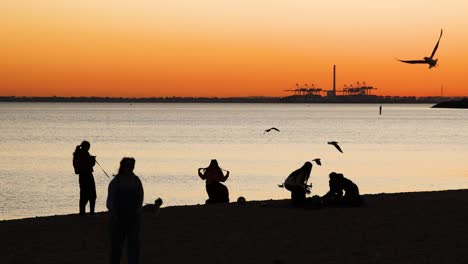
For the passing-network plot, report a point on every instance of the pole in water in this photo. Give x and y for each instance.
(102, 169)
(380, 110)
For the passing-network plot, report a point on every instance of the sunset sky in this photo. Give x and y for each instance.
(145, 48)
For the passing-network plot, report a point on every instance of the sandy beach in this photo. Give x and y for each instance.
(423, 227)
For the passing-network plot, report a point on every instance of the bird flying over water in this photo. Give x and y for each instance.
(335, 144)
(427, 60)
(317, 161)
(268, 130)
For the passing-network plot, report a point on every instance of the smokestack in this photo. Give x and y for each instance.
(334, 80)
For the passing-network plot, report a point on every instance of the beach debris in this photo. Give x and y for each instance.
(157, 205)
(241, 200)
(426, 60)
(158, 202)
(335, 144)
(268, 130)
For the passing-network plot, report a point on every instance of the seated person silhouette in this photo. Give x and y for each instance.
(213, 176)
(339, 184)
(296, 183)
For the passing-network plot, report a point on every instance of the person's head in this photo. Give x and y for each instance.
(85, 145)
(307, 166)
(126, 166)
(213, 164)
(335, 176)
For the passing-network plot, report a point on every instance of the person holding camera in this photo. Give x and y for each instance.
(83, 164)
(296, 183)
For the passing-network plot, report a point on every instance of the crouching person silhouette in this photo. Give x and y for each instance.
(339, 184)
(124, 201)
(213, 176)
(296, 183)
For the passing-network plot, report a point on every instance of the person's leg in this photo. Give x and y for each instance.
(83, 203)
(117, 237)
(298, 196)
(83, 196)
(133, 242)
(210, 190)
(352, 200)
(92, 204)
(223, 193)
(92, 195)
(217, 192)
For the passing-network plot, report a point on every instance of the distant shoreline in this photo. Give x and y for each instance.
(371, 99)
(457, 104)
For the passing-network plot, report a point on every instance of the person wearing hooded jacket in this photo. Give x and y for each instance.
(125, 201)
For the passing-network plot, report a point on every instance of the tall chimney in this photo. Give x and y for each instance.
(334, 80)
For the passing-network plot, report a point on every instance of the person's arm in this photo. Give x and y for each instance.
(224, 177)
(202, 176)
(332, 192)
(300, 180)
(89, 161)
(111, 192)
(141, 194)
(336, 189)
(92, 161)
(307, 175)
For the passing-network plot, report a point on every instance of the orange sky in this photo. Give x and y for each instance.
(228, 48)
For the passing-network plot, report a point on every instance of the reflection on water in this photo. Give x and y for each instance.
(407, 148)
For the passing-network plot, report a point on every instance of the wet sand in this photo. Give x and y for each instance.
(424, 227)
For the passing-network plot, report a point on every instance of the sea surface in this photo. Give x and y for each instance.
(407, 148)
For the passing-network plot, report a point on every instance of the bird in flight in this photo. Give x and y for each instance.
(318, 162)
(335, 144)
(427, 60)
(268, 130)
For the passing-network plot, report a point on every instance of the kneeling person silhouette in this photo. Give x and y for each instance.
(213, 176)
(339, 184)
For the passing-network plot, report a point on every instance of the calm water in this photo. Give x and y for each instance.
(408, 148)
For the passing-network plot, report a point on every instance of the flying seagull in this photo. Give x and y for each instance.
(268, 130)
(318, 162)
(427, 60)
(335, 144)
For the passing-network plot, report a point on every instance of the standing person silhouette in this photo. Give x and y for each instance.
(125, 201)
(83, 164)
(213, 176)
